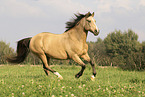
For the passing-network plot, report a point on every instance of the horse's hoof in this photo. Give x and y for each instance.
(92, 78)
(77, 76)
(60, 77)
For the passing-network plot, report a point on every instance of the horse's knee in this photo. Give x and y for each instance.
(92, 63)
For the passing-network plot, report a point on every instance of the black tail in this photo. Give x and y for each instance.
(22, 51)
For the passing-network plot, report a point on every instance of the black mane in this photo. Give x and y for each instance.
(70, 24)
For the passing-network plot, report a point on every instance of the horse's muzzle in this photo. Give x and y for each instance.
(96, 32)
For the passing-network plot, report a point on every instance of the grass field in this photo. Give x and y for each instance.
(31, 81)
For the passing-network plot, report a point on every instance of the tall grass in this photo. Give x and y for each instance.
(31, 81)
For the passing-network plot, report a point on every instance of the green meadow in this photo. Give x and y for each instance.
(31, 81)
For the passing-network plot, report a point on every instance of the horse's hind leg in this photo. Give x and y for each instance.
(46, 67)
(45, 70)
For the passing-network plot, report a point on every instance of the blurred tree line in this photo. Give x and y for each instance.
(121, 49)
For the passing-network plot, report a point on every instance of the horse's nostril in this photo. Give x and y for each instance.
(96, 30)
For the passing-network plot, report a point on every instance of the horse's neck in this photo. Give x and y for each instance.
(78, 33)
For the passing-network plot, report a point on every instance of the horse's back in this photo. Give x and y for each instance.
(50, 44)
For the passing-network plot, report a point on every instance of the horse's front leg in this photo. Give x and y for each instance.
(80, 62)
(87, 58)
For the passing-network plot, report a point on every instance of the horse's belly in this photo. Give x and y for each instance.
(57, 54)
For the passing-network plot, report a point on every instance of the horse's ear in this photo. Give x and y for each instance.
(93, 14)
(87, 15)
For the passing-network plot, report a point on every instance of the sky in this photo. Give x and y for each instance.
(25, 18)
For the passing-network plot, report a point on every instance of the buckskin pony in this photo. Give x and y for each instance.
(69, 45)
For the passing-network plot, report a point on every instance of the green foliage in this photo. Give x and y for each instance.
(118, 43)
(31, 81)
(97, 52)
(124, 49)
(143, 55)
(5, 51)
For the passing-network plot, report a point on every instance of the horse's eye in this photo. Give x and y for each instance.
(89, 21)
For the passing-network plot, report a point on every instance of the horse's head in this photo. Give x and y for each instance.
(90, 24)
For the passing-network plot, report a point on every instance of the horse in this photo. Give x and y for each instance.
(69, 45)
